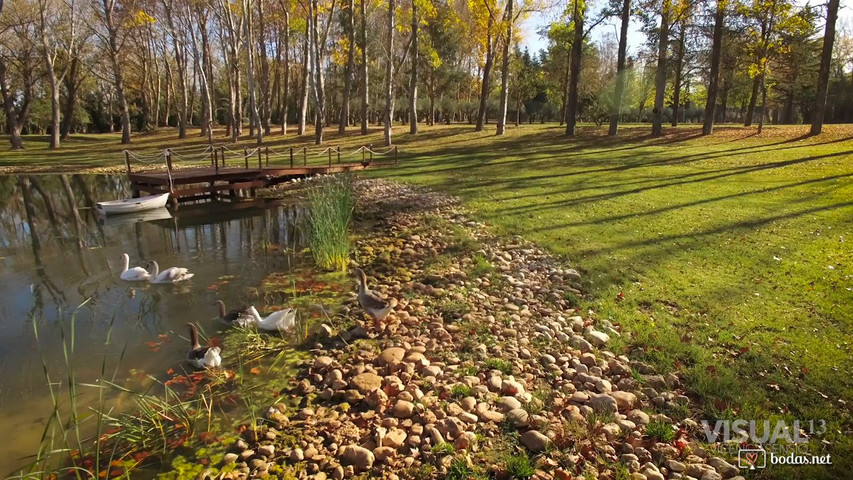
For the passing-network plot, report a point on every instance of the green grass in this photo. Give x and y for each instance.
(500, 365)
(721, 246)
(330, 206)
(519, 467)
(660, 431)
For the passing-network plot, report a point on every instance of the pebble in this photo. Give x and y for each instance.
(535, 441)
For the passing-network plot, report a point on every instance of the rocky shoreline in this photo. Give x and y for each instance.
(485, 369)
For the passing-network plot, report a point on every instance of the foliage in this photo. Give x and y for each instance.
(519, 467)
(330, 206)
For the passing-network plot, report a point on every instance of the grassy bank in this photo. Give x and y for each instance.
(725, 258)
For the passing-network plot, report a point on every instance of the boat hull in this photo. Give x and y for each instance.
(132, 205)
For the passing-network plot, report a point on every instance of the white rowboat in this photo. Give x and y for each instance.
(131, 205)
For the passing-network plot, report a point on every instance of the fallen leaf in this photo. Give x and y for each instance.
(255, 371)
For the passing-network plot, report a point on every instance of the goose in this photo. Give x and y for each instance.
(374, 305)
(276, 321)
(169, 275)
(135, 274)
(202, 357)
(235, 318)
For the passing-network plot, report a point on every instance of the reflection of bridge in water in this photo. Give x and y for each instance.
(208, 174)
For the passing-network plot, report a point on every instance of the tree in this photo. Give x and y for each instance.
(487, 68)
(509, 19)
(660, 73)
(578, 13)
(389, 72)
(114, 45)
(714, 77)
(18, 58)
(365, 98)
(825, 61)
(616, 110)
(413, 81)
(348, 70)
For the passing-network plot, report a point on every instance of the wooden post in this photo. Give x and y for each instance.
(260, 160)
(371, 156)
(169, 160)
(330, 156)
(291, 157)
(223, 157)
(339, 154)
(395, 154)
(304, 156)
(268, 156)
(363, 161)
(127, 161)
(246, 156)
(212, 155)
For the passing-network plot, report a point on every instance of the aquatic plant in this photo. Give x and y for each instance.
(330, 205)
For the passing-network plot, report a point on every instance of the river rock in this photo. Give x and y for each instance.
(535, 441)
(403, 409)
(366, 382)
(624, 400)
(391, 356)
(359, 457)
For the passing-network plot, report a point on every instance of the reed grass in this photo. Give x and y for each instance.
(330, 205)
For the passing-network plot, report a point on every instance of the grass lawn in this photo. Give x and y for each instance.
(726, 258)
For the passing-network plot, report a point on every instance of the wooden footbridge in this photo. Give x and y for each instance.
(220, 172)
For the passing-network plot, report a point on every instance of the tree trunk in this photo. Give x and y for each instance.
(72, 83)
(577, 53)
(763, 103)
(319, 85)
(250, 60)
(505, 71)
(679, 73)
(620, 69)
(825, 63)
(487, 71)
(389, 73)
(413, 81)
(343, 120)
(285, 103)
(50, 67)
(118, 76)
(15, 118)
(303, 101)
(364, 77)
(660, 74)
(716, 55)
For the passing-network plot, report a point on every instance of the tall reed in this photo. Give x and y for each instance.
(330, 205)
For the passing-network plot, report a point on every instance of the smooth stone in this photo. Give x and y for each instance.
(535, 441)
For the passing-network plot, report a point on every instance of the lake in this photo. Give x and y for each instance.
(53, 260)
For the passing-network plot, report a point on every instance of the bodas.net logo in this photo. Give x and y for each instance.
(751, 458)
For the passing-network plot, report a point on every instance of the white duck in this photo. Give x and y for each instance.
(202, 357)
(135, 274)
(276, 321)
(169, 275)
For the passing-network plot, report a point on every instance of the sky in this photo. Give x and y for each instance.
(636, 38)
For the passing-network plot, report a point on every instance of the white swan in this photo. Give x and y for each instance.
(169, 275)
(202, 357)
(276, 321)
(135, 274)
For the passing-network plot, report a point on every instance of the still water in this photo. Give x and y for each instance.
(52, 260)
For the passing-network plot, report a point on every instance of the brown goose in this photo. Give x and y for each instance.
(240, 317)
(202, 357)
(374, 305)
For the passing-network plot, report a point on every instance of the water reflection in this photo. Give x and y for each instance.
(55, 253)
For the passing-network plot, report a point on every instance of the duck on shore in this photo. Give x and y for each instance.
(375, 306)
(238, 317)
(202, 357)
(280, 320)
